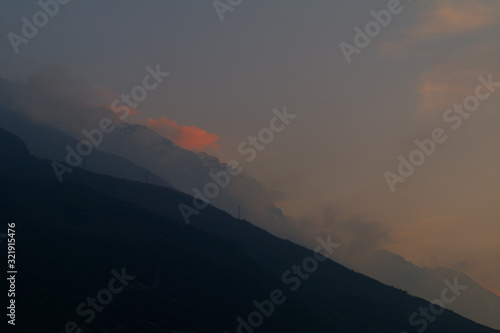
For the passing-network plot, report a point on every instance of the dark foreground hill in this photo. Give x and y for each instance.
(121, 242)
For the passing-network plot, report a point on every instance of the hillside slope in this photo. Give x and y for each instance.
(71, 236)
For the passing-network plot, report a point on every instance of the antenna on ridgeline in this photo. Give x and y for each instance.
(239, 213)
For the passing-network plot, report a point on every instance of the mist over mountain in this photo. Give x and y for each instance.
(250, 166)
(199, 278)
(136, 152)
(54, 98)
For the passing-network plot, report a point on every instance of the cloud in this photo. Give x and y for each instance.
(55, 97)
(366, 236)
(358, 236)
(442, 19)
(444, 85)
(449, 82)
(187, 137)
(106, 98)
(400, 49)
(447, 17)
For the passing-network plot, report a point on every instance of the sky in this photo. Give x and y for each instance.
(354, 118)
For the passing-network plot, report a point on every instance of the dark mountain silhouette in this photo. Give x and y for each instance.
(182, 168)
(188, 169)
(50, 143)
(69, 238)
(198, 278)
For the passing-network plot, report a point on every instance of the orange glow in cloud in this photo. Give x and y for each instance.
(187, 137)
